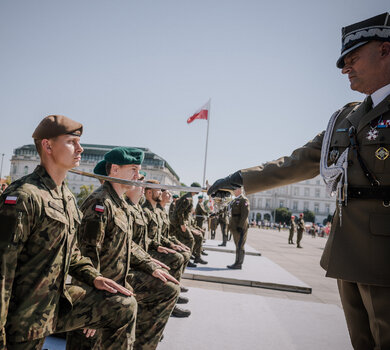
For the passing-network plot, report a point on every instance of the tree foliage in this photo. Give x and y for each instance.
(282, 215)
(309, 216)
(85, 191)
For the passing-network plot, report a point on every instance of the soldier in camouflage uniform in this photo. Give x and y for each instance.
(172, 206)
(300, 230)
(293, 227)
(181, 226)
(223, 220)
(200, 212)
(38, 250)
(106, 237)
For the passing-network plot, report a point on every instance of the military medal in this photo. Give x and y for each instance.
(334, 154)
(382, 153)
(372, 134)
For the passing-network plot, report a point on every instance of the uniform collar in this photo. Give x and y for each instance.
(55, 191)
(379, 95)
(148, 205)
(119, 201)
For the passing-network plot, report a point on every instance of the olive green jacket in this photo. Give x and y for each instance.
(38, 250)
(358, 250)
(240, 212)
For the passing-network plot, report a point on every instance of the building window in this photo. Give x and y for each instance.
(259, 202)
(307, 191)
(281, 203)
(296, 191)
(15, 168)
(318, 182)
(25, 170)
(268, 203)
(305, 206)
(318, 192)
(295, 205)
(316, 208)
(327, 208)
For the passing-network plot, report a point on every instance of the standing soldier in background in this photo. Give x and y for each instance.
(39, 220)
(105, 235)
(352, 155)
(200, 212)
(300, 230)
(223, 220)
(239, 226)
(293, 227)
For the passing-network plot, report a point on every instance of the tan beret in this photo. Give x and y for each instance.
(56, 125)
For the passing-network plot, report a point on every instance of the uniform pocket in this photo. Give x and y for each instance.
(380, 224)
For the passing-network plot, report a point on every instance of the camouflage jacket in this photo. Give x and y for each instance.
(140, 225)
(37, 251)
(171, 209)
(155, 224)
(105, 236)
(200, 211)
(293, 226)
(301, 225)
(181, 214)
(165, 229)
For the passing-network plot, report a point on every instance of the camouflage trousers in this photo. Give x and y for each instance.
(175, 261)
(155, 301)
(194, 242)
(115, 314)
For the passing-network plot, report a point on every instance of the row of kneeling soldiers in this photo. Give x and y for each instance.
(125, 259)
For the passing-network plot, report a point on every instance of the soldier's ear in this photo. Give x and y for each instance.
(385, 49)
(46, 147)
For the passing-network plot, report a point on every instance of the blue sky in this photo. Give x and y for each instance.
(133, 72)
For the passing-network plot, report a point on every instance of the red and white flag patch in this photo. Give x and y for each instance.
(10, 200)
(99, 208)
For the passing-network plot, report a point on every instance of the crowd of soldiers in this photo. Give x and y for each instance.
(121, 232)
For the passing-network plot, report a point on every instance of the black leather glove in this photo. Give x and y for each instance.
(221, 187)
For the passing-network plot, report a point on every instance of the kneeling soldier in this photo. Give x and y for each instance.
(38, 250)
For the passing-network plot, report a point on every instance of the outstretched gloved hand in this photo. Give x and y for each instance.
(223, 187)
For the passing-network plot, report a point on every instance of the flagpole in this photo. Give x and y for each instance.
(207, 143)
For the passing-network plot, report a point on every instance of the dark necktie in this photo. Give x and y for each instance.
(368, 103)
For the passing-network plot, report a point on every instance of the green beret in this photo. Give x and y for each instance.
(56, 125)
(195, 184)
(100, 168)
(124, 156)
(175, 196)
(200, 197)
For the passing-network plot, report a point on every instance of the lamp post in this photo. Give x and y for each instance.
(274, 195)
(1, 167)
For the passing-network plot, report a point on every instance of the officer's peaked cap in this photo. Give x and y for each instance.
(358, 34)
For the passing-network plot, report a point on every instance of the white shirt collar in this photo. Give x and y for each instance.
(379, 95)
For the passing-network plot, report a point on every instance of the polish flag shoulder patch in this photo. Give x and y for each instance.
(10, 200)
(99, 208)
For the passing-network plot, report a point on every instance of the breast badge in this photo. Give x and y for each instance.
(382, 153)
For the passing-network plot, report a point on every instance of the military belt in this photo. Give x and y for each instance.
(376, 192)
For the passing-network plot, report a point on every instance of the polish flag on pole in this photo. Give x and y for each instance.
(201, 113)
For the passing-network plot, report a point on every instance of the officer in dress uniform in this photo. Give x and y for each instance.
(239, 226)
(352, 155)
(39, 220)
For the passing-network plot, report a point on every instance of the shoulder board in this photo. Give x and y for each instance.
(99, 208)
(352, 104)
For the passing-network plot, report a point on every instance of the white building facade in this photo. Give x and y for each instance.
(298, 197)
(25, 159)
